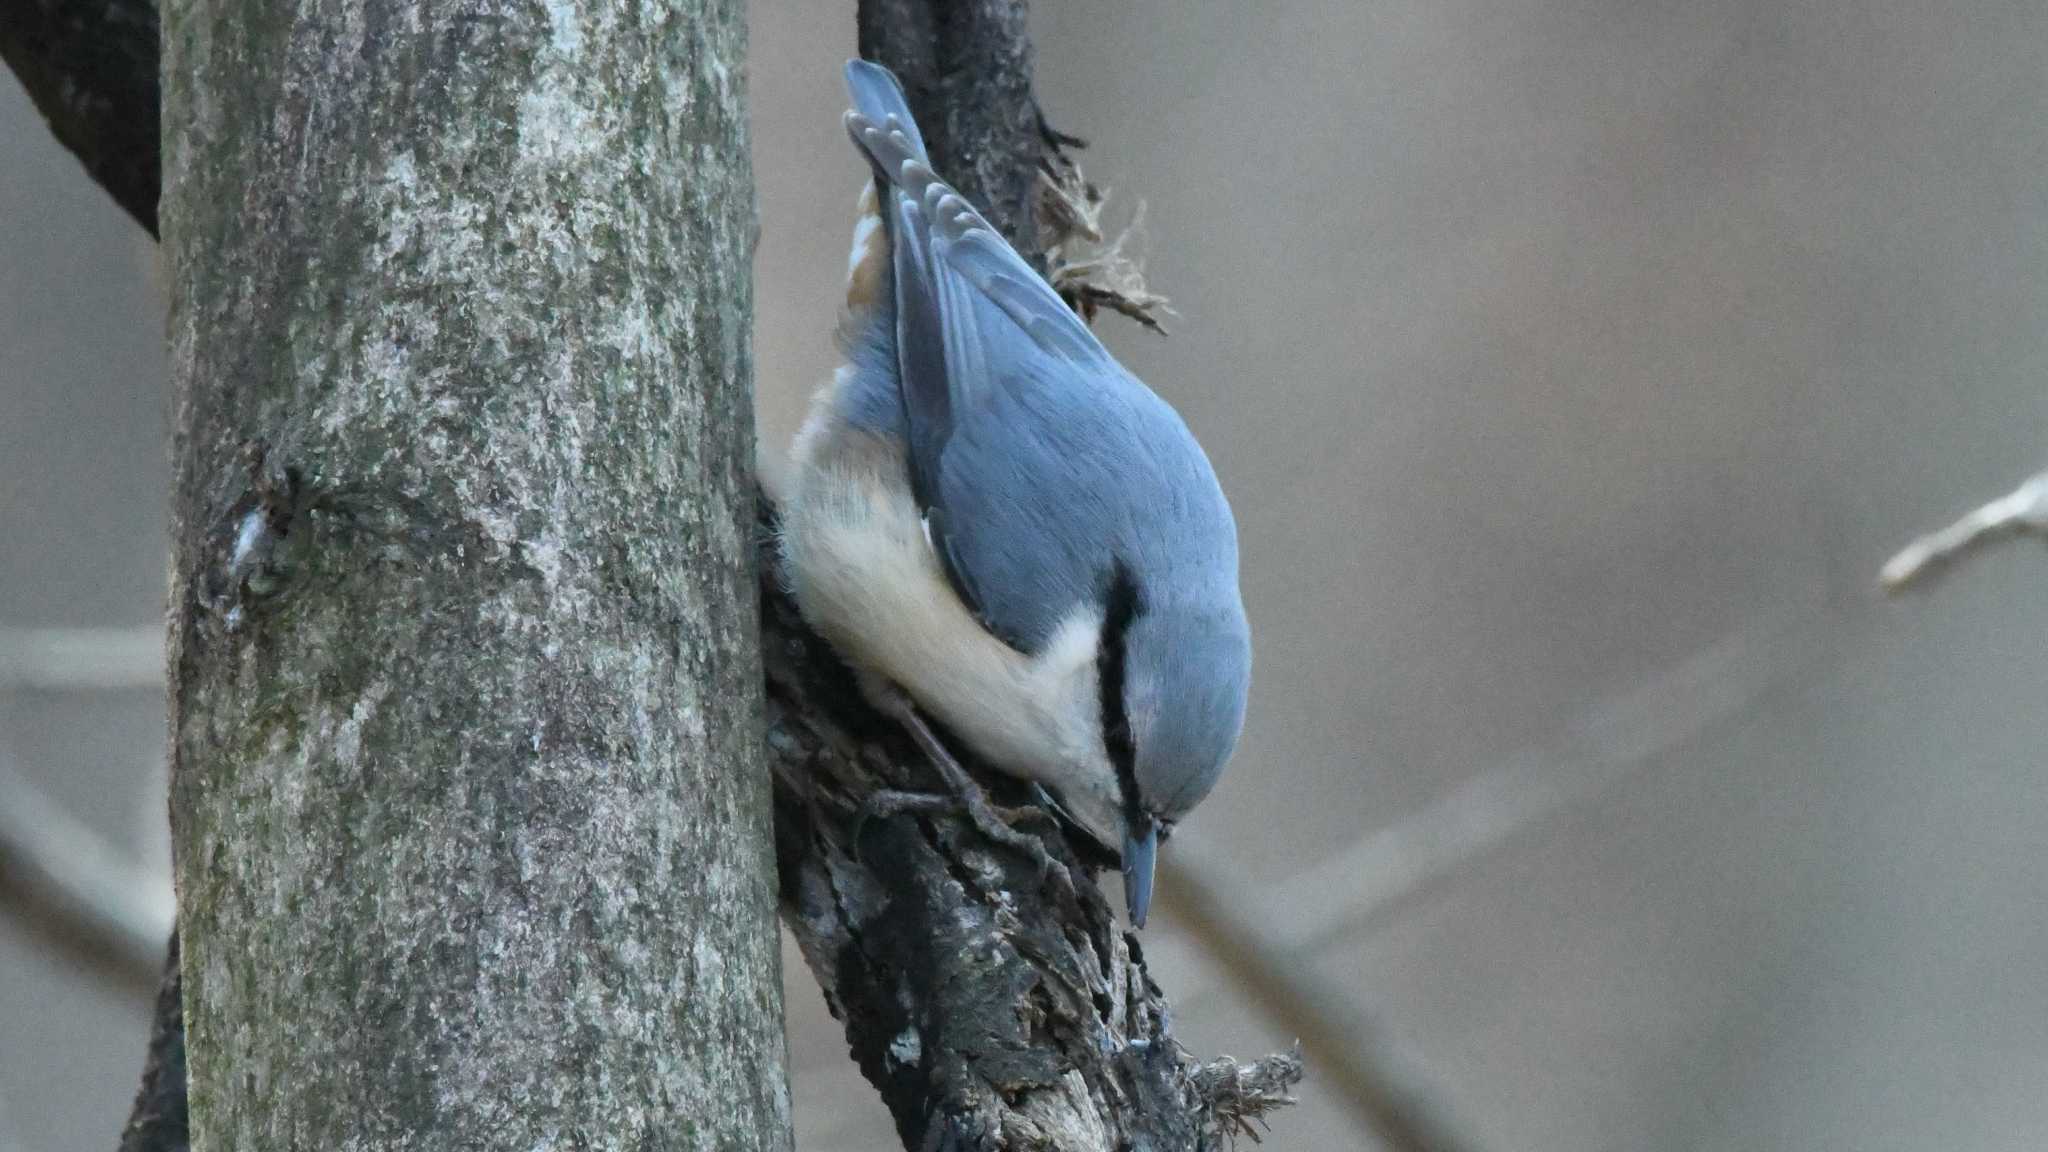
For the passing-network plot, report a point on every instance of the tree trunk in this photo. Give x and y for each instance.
(470, 813)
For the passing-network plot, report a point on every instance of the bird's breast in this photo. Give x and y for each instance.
(858, 563)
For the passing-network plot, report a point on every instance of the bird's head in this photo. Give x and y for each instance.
(1174, 675)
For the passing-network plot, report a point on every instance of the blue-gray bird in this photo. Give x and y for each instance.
(989, 513)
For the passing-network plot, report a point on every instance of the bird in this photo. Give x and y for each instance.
(1001, 527)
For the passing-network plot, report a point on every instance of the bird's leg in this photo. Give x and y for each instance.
(967, 795)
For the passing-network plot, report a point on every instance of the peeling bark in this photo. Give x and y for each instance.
(468, 805)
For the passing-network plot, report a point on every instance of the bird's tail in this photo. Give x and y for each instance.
(878, 104)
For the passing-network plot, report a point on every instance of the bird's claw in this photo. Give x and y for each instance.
(998, 824)
(990, 821)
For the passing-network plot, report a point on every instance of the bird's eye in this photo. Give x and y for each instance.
(1165, 830)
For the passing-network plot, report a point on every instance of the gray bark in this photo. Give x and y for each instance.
(469, 810)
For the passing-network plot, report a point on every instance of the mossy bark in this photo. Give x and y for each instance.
(470, 813)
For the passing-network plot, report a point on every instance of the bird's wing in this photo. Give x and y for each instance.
(973, 320)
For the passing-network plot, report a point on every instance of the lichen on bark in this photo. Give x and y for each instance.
(470, 814)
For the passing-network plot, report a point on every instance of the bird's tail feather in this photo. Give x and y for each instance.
(878, 99)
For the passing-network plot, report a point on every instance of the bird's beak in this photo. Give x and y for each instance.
(1141, 847)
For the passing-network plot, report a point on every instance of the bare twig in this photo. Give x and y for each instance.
(80, 893)
(2020, 512)
(1390, 865)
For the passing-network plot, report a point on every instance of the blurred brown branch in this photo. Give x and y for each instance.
(76, 891)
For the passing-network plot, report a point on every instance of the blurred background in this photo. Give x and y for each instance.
(1573, 365)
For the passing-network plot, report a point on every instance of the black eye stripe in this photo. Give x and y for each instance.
(1122, 602)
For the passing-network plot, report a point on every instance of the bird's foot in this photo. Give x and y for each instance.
(998, 824)
(883, 803)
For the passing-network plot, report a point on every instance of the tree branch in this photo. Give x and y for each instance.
(1380, 1085)
(2020, 512)
(75, 890)
(90, 67)
(158, 1122)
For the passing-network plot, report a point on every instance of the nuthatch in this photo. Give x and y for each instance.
(988, 512)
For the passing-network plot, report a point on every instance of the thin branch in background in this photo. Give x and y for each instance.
(2023, 511)
(78, 892)
(55, 873)
(82, 659)
(1390, 865)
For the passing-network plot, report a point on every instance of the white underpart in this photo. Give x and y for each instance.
(857, 560)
